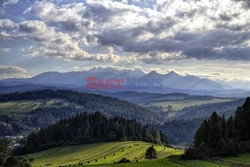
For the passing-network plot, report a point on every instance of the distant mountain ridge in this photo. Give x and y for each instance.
(171, 79)
(76, 80)
(174, 80)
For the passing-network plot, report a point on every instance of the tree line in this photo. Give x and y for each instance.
(221, 137)
(87, 128)
(43, 116)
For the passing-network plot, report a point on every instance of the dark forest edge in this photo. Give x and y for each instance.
(221, 137)
(87, 128)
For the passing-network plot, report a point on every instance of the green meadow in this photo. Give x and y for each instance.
(179, 104)
(105, 154)
(99, 153)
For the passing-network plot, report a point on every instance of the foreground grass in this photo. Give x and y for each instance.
(99, 153)
(241, 161)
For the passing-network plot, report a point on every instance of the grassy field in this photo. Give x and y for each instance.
(105, 154)
(19, 108)
(241, 161)
(179, 104)
(99, 153)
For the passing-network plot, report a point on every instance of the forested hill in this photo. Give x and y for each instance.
(219, 137)
(89, 128)
(31, 110)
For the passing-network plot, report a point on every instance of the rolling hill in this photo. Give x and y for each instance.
(24, 112)
(99, 153)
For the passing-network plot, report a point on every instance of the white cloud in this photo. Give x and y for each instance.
(4, 50)
(10, 2)
(12, 72)
(6, 23)
(133, 32)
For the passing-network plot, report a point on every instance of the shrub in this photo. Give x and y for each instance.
(124, 160)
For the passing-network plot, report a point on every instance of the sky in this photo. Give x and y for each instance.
(206, 38)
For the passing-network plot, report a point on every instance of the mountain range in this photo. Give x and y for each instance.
(170, 82)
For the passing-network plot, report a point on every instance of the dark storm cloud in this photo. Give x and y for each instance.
(192, 45)
(218, 45)
(127, 40)
(101, 13)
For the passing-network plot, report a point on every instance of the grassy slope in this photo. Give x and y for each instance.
(18, 108)
(179, 104)
(72, 155)
(21, 107)
(113, 151)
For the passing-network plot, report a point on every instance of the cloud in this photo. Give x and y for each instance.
(9, 2)
(151, 32)
(56, 44)
(5, 3)
(6, 23)
(68, 17)
(12, 72)
(4, 51)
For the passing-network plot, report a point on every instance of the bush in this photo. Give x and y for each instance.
(124, 160)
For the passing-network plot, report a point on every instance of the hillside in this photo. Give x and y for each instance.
(113, 151)
(73, 155)
(89, 128)
(24, 112)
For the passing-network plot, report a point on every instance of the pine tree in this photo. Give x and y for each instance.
(222, 149)
(223, 127)
(230, 132)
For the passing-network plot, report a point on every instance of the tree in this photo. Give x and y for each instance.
(151, 153)
(11, 161)
(222, 149)
(98, 129)
(219, 137)
(4, 146)
(223, 127)
(5, 150)
(2, 159)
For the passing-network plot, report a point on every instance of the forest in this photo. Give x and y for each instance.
(221, 137)
(87, 128)
(38, 117)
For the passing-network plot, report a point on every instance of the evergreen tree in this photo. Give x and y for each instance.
(88, 128)
(220, 137)
(151, 153)
(224, 127)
